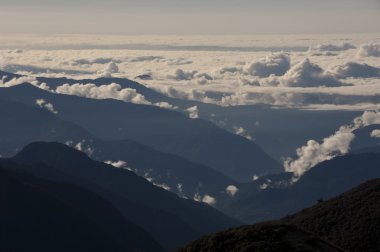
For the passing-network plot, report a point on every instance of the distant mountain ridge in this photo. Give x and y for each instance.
(164, 130)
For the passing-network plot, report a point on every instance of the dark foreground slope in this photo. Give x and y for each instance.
(170, 220)
(38, 215)
(261, 237)
(351, 221)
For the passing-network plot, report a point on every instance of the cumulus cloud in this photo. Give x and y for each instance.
(82, 146)
(337, 144)
(375, 133)
(304, 74)
(356, 70)
(242, 132)
(181, 75)
(109, 70)
(46, 105)
(333, 47)
(369, 50)
(118, 164)
(193, 112)
(275, 64)
(21, 80)
(110, 91)
(205, 199)
(232, 190)
(179, 61)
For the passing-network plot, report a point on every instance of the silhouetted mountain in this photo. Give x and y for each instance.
(326, 180)
(171, 221)
(38, 215)
(23, 125)
(351, 220)
(261, 237)
(164, 130)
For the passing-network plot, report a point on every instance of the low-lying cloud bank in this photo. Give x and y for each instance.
(354, 70)
(369, 50)
(332, 47)
(314, 152)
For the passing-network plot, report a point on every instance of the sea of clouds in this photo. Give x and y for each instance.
(309, 71)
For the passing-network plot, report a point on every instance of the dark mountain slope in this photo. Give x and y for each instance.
(176, 220)
(38, 215)
(326, 180)
(274, 237)
(164, 130)
(23, 124)
(352, 220)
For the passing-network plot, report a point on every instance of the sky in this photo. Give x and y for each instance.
(183, 17)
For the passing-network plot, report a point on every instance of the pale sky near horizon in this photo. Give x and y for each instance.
(133, 17)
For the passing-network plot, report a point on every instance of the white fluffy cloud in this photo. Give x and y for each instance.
(356, 70)
(111, 91)
(232, 190)
(242, 132)
(337, 144)
(369, 50)
(46, 105)
(375, 133)
(109, 70)
(275, 64)
(304, 74)
(205, 199)
(117, 164)
(193, 112)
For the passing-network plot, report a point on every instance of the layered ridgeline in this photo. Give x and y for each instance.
(279, 130)
(273, 197)
(24, 124)
(170, 220)
(350, 221)
(39, 215)
(162, 129)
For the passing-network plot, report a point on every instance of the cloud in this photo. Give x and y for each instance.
(179, 61)
(275, 64)
(375, 133)
(28, 69)
(145, 58)
(369, 50)
(118, 164)
(181, 75)
(337, 144)
(355, 70)
(193, 112)
(82, 146)
(94, 61)
(205, 199)
(44, 104)
(109, 70)
(303, 74)
(333, 47)
(232, 190)
(242, 132)
(110, 91)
